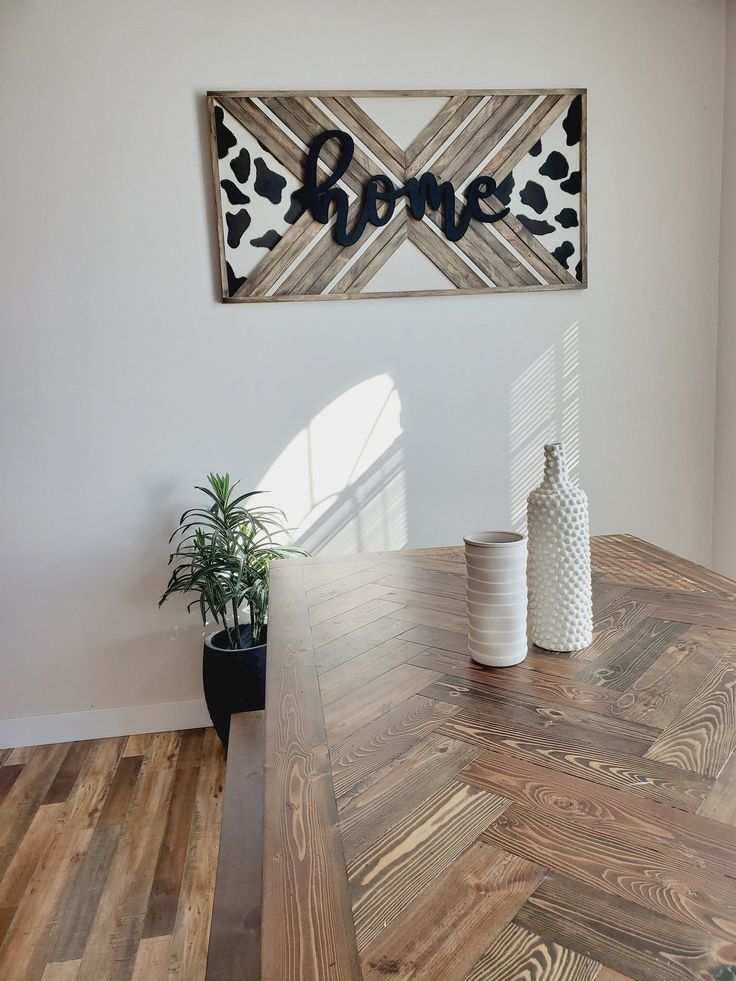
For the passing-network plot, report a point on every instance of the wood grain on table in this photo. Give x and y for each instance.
(567, 818)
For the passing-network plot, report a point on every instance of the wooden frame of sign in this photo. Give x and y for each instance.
(481, 191)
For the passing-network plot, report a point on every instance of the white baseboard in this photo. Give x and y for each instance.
(37, 730)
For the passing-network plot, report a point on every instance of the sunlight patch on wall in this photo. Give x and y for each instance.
(545, 408)
(341, 479)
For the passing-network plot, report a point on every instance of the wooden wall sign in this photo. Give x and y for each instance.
(341, 195)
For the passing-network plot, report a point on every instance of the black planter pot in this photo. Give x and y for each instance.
(234, 681)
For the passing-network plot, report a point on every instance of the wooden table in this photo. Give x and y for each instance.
(568, 818)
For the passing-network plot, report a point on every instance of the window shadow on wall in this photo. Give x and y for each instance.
(341, 479)
(544, 408)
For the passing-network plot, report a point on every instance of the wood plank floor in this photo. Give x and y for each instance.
(568, 819)
(108, 854)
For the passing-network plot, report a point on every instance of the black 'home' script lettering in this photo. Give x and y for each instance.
(421, 193)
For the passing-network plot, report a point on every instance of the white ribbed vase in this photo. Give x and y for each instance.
(496, 597)
(558, 569)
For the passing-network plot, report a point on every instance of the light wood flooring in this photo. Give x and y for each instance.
(108, 853)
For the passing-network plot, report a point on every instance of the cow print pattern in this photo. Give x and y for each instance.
(543, 190)
(259, 198)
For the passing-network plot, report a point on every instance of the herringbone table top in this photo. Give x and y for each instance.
(572, 818)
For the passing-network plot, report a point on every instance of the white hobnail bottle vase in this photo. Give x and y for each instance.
(558, 567)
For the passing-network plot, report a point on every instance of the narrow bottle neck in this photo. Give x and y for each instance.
(555, 466)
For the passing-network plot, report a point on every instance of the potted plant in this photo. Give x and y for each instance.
(223, 553)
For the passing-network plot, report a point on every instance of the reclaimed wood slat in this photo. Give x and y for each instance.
(345, 715)
(93, 784)
(691, 572)
(272, 137)
(420, 772)
(363, 758)
(352, 674)
(603, 809)
(438, 130)
(703, 735)
(340, 587)
(22, 754)
(82, 847)
(34, 843)
(305, 120)
(518, 953)
(7, 915)
(436, 249)
(152, 959)
(366, 129)
(28, 790)
(580, 758)
(324, 260)
(546, 662)
(281, 257)
(26, 947)
(489, 117)
(666, 884)
(120, 794)
(360, 641)
(424, 617)
(65, 971)
(426, 582)
(8, 775)
(720, 804)
(387, 876)
(166, 886)
(307, 923)
(524, 138)
(514, 712)
(485, 250)
(448, 926)
(68, 772)
(658, 695)
(118, 923)
(528, 246)
(382, 247)
(337, 627)
(608, 625)
(629, 560)
(623, 935)
(621, 665)
(492, 255)
(235, 935)
(465, 155)
(429, 601)
(343, 602)
(75, 923)
(523, 679)
(188, 949)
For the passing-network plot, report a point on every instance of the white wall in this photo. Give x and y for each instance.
(124, 381)
(724, 522)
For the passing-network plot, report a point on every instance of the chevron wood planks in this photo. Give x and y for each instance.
(568, 817)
